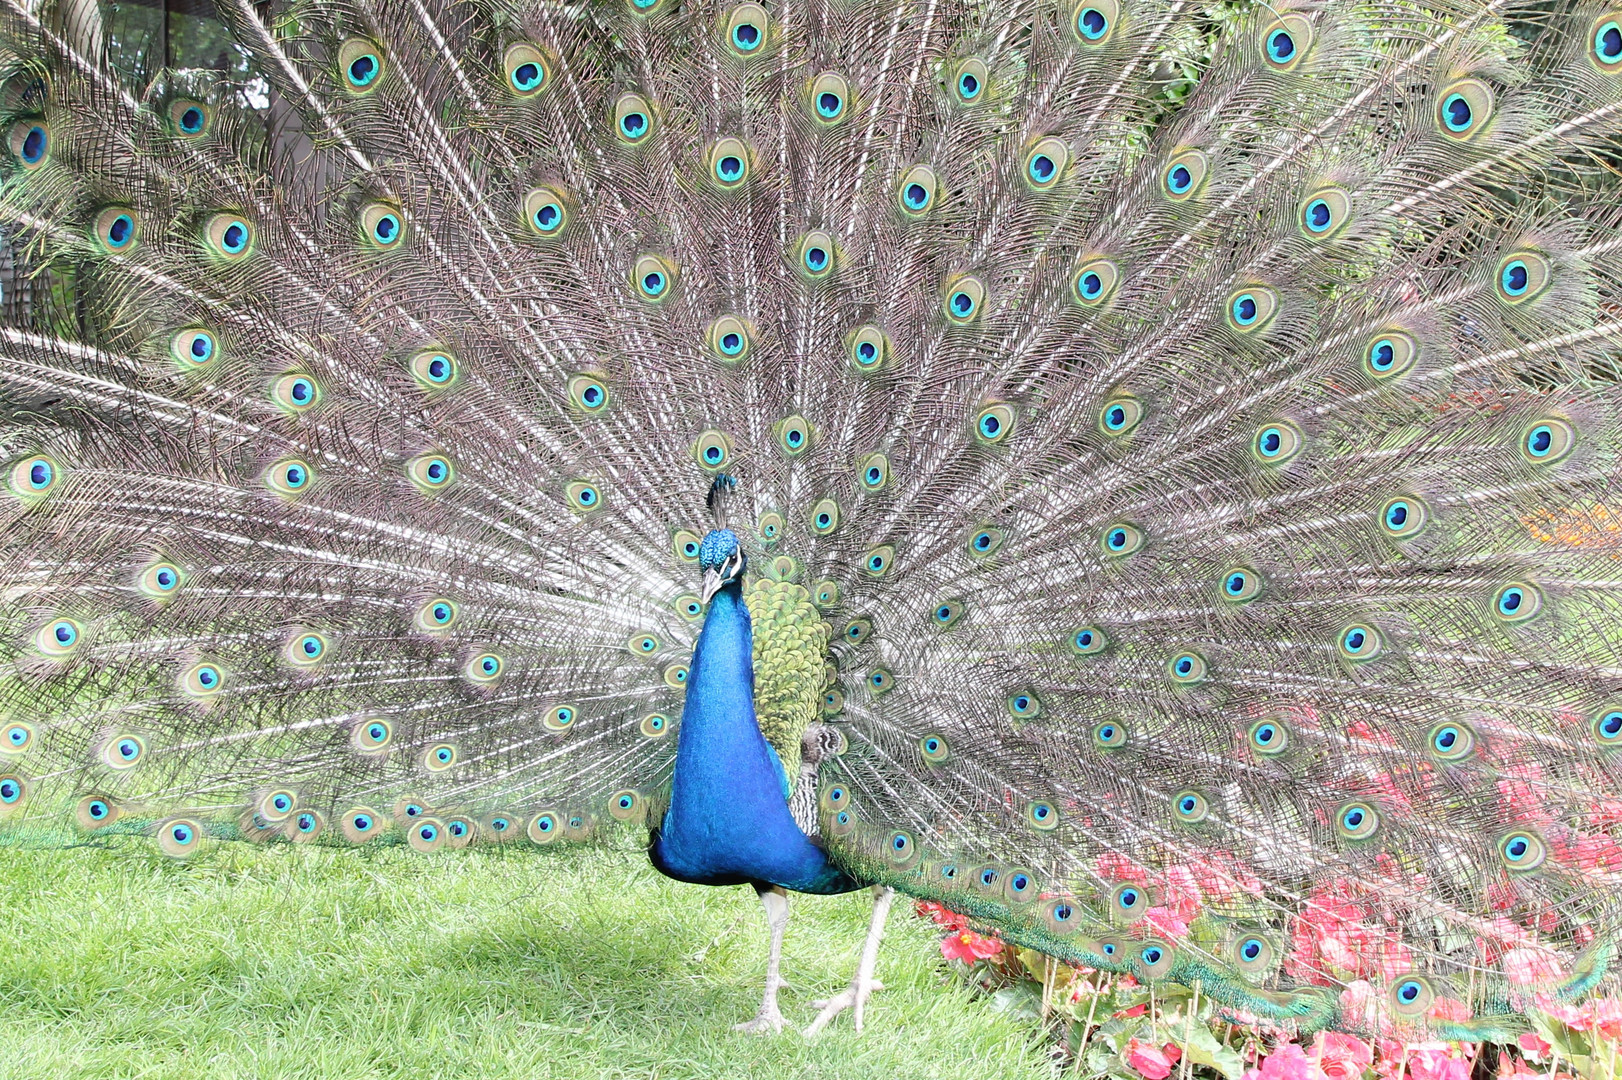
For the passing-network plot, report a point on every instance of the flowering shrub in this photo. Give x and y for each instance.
(1117, 1027)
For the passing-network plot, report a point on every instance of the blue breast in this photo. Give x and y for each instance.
(728, 821)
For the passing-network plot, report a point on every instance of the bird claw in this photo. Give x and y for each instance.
(767, 1020)
(853, 997)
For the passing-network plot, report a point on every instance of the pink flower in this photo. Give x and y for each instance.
(1286, 1062)
(967, 946)
(1136, 1010)
(928, 909)
(1344, 1057)
(1532, 1045)
(1154, 1063)
(1529, 966)
(1436, 1061)
(1445, 1008)
(1166, 921)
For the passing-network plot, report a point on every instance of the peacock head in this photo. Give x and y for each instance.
(723, 561)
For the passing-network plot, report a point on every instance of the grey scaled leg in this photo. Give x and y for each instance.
(775, 901)
(854, 996)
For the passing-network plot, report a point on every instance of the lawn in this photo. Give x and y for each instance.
(300, 962)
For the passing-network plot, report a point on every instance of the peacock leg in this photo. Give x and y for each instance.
(854, 996)
(775, 901)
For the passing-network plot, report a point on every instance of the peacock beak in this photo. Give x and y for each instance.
(712, 585)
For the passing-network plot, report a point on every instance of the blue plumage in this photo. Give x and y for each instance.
(728, 822)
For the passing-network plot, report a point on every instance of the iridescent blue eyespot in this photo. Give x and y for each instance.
(1179, 179)
(1457, 114)
(1608, 43)
(363, 69)
(1152, 955)
(120, 231)
(634, 125)
(1091, 23)
(968, 87)
(1608, 727)
(1280, 46)
(1514, 277)
(916, 196)
(1409, 991)
(962, 304)
(34, 144)
(1042, 168)
(1317, 216)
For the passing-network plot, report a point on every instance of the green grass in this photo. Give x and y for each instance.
(287, 963)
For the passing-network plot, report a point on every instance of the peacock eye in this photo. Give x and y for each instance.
(1608, 42)
(963, 300)
(30, 141)
(526, 69)
(229, 235)
(1044, 162)
(382, 226)
(916, 191)
(117, 229)
(1464, 109)
(1094, 21)
(361, 63)
(829, 93)
(545, 211)
(746, 29)
(1184, 174)
(816, 254)
(633, 119)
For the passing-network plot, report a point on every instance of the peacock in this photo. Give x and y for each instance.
(1143, 474)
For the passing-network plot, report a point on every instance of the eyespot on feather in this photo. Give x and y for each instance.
(969, 81)
(435, 369)
(1045, 163)
(360, 66)
(178, 837)
(295, 394)
(1092, 22)
(430, 473)
(1095, 281)
(653, 278)
(633, 118)
(869, 348)
(746, 31)
(545, 211)
(382, 226)
(1389, 354)
(1325, 212)
(1522, 276)
(1277, 442)
(1285, 41)
(815, 255)
(916, 191)
(193, 347)
(963, 299)
(360, 824)
(1464, 109)
(117, 229)
(1088, 641)
(729, 163)
(1184, 175)
(829, 98)
(1251, 309)
(527, 69)
(229, 236)
(30, 142)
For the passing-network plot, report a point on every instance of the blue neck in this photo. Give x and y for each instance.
(729, 821)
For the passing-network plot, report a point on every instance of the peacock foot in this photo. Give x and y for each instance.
(853, 997)
(768, 1021)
